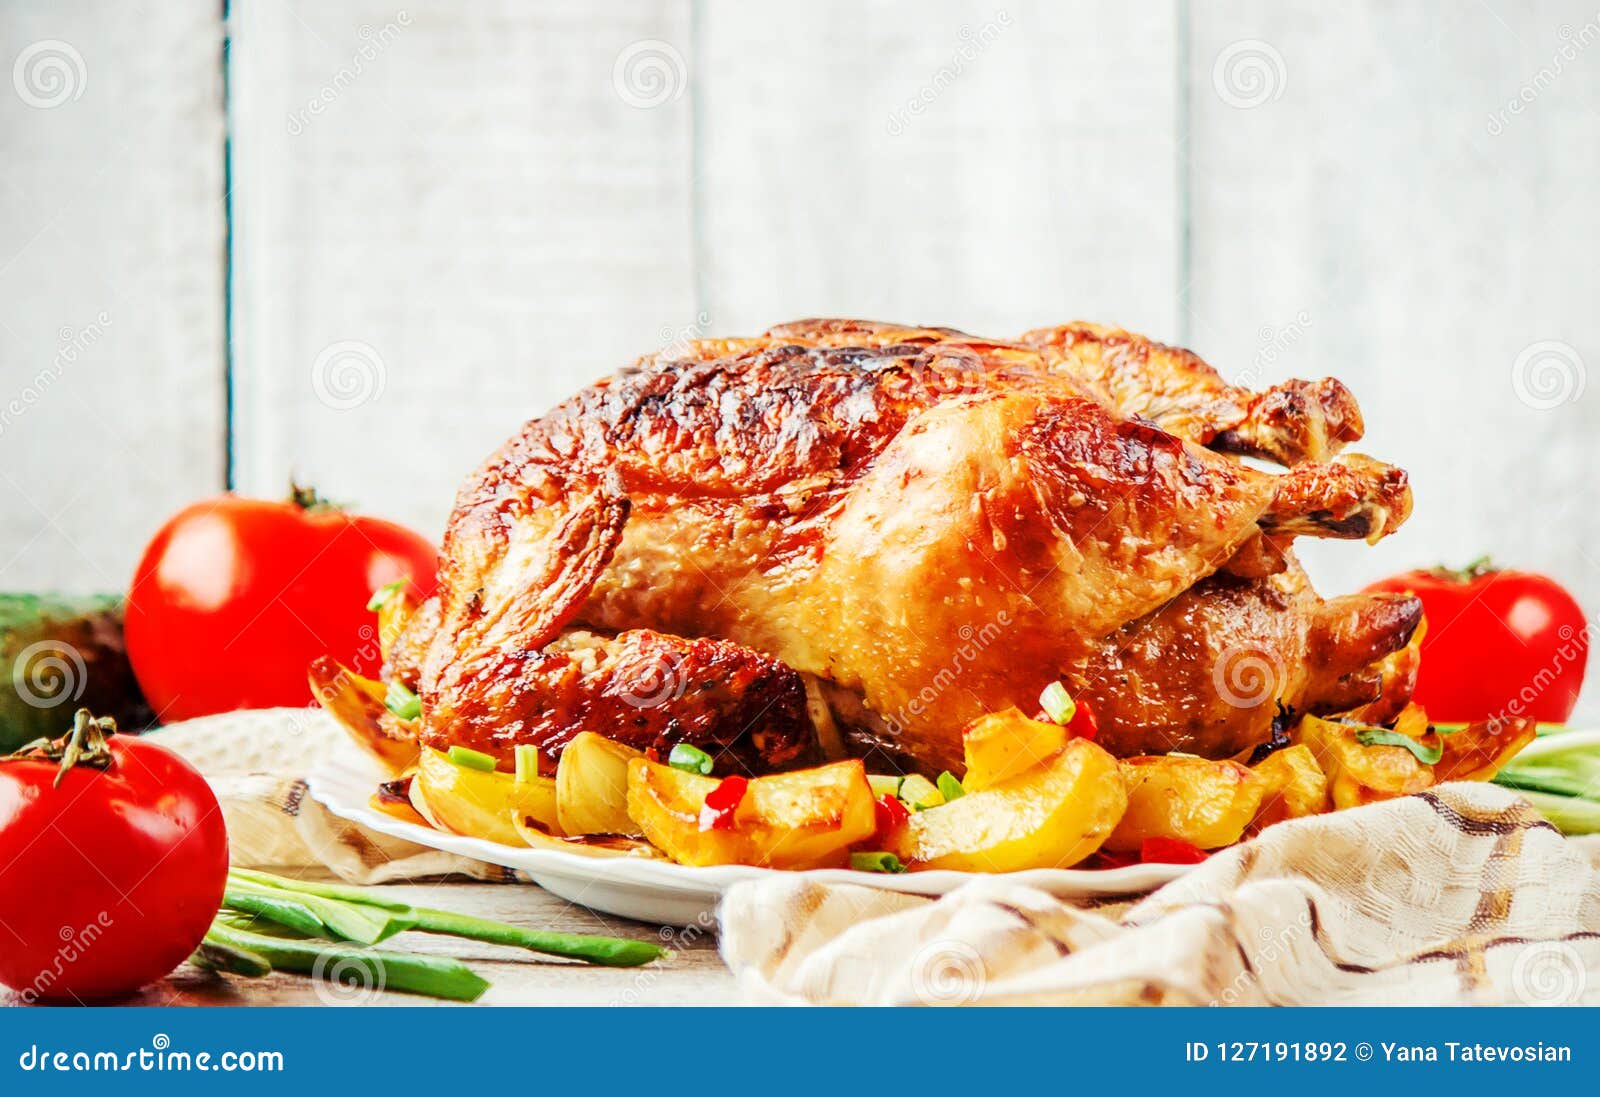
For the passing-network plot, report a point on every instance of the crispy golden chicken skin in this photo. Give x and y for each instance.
(929, 524)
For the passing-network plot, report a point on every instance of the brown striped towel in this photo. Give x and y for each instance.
(1461, 895)
(256, 762)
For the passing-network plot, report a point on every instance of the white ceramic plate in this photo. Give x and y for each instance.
(660, 891)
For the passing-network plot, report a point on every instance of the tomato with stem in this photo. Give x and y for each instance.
(235, 597)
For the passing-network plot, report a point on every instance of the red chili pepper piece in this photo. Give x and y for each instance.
(889, 813)
(1170, 851)
(721, 802)
(1083, 725)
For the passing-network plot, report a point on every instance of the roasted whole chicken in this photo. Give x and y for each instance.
(855, 537)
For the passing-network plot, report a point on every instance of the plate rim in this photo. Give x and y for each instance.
(345, 764)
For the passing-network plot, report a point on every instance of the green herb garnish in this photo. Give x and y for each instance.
(949, 787)
(1058, 703)
(1383, 737)
(382, 595)
(402, 702)
(467, 758)
(527, 760)
(690, 759)
(876, 862)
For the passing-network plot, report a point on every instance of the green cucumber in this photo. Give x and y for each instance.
(59, 653)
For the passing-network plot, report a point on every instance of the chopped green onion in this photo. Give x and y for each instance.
(367, 968)
(949, 787)
(1058, 703)
(609, 951)
(1569, 814)
(467, 758)
(876, 862)
(690, 759)
(402, 702)
(1383, 737)
(382, 595)
(527, 759)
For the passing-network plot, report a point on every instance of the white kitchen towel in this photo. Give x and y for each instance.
(257, 761)
(1461, 895)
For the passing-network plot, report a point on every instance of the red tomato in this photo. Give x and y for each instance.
(110, 878)
(1498, 644)
(234, 598)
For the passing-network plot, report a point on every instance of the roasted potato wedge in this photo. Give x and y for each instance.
(1359, 773)
(805, 819)
(1052, 816)
(1196, 800)
(1296, 785)
(1479, 751)
(393, 798)
(356, 703)
(592, 786)
(393, 614)
(480, 803)
(588, 845)
(999, 746)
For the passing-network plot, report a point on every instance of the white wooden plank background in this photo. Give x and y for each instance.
(1367, 211)
(448, 217)
(473, 224)
(982, 165)
(112, 375)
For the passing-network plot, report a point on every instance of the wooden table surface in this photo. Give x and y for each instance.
(692, 973)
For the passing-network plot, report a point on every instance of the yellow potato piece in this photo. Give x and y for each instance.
(1361, 774)
(480, 804)
(1053, 816)
(1003, 745)
(1196, 800)
(592, 786)
(599, 846)
(805, 819)
(1296, 785)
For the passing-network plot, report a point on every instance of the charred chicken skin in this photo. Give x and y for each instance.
(880, 532)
